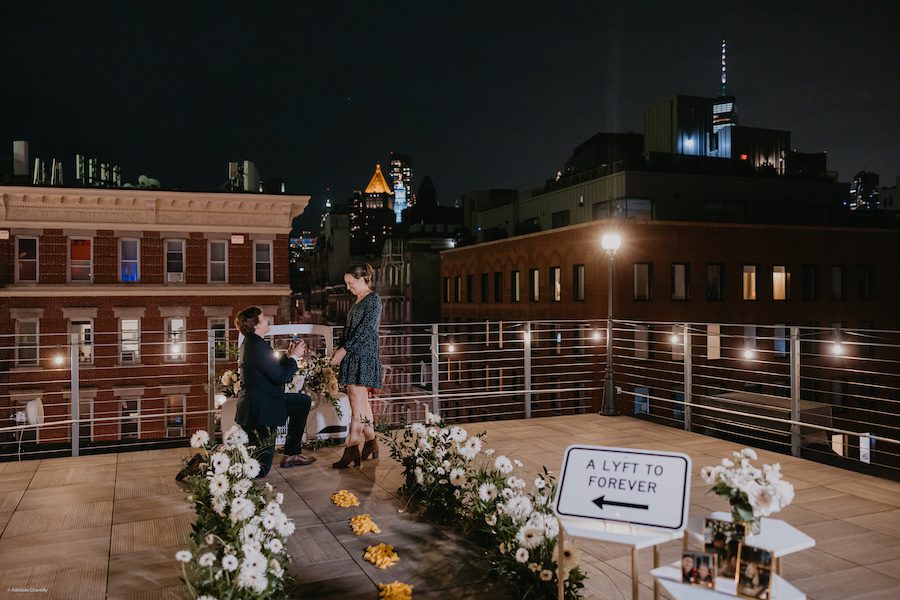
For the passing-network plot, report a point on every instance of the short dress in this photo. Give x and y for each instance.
(362, 364)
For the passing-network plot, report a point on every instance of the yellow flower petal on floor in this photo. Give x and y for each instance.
(382, 556)
(395, 591)
(363, 524)
(344, 499)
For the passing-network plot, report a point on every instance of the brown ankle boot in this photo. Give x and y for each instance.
(369, 448)
(351, 455)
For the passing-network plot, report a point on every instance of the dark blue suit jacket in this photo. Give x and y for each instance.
(261, 399)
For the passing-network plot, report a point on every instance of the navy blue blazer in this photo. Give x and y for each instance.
(261, 399)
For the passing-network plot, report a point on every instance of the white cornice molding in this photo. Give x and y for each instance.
(83, 291)
(142, 210)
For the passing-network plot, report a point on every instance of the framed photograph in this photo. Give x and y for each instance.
(755, 577)
(699, 568)
(723, 538)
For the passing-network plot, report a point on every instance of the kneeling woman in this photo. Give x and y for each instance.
(360, 363)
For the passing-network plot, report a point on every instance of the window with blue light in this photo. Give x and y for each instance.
(129, 260)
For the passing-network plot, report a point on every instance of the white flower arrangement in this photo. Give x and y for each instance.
(753, 492)
(230, 382)
(238, 548)
(456, 479)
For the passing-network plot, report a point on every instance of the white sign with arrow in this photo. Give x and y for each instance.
(642, 487)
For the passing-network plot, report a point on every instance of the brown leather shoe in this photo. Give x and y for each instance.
(296, 460)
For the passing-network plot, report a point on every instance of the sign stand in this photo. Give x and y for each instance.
(639, 498)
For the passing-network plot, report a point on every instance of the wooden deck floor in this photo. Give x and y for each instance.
(108, 526)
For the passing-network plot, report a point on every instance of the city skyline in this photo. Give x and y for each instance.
(497, 96)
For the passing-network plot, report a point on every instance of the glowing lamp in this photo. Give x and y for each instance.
(611, 242)
(58, 360)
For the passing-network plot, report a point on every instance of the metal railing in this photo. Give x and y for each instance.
(829, 394)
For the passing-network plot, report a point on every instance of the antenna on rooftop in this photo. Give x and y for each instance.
(723, 67)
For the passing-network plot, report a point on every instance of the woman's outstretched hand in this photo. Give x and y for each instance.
(338, 356)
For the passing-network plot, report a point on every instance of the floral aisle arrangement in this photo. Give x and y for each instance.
(455, 478)
(316, 374)
(237, 550)
(753, 492)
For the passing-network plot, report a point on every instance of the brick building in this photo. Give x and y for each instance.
(145, 282)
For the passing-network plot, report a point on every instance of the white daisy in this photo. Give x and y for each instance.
(275, 545)
(220, 462)
(229, 562)
(522, 555)
(502, 464)
(487, 491)
(546, 575)
(199, 439)
(207, 559)
(218, 484)
(251, 468)
(457, 477)
(183, 556)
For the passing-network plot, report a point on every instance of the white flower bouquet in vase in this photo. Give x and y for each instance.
(751, 491)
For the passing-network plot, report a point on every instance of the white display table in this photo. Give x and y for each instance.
(776, 536)
(669, 577)
(620, 533)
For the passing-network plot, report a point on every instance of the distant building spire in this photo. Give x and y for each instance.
(723, 67)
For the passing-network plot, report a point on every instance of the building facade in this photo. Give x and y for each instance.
(139, 285)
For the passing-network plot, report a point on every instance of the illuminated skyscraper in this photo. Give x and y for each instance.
(372, 215)
(864, 191)
(402, 174)
(724, 117)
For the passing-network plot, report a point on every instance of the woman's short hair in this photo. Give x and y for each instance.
(247, 320)
(361, 271)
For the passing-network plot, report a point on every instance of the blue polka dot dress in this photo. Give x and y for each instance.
(362, 364)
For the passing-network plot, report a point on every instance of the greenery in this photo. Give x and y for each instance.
(453, 478)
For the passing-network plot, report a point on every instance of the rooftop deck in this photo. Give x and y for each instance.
(108, 526)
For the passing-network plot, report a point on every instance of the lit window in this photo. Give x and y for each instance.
(175, 415)
(84, 330)
(555, 284)
(262, 262)
(80, 259)
(578, 282)
(781, 283)
(176, 338)
(534, 285)
(130, 415)
(218, 328)
(129, 260)
(174, 261)
(130, 341)
(218, 261)
(26, 259)
(643, 289)
(679, 281)
(749, 282)
(26, 343)
(514, 294)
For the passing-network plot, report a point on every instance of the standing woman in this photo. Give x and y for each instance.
(360, 363)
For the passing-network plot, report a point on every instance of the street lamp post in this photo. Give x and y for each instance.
(610, 243)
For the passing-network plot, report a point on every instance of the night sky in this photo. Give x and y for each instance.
(481, 94)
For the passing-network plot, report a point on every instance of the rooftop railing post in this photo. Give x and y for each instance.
(795, 391)
(527, 362)
(688, 377)
(211, 388)
(435, 368)
(610, 245)
(74, 386)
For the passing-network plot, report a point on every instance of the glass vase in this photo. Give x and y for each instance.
(752, 526)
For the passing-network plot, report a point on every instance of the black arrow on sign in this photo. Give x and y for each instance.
(601, 501)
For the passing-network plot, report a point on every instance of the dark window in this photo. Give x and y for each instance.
(715, 282)
(456, 291)
(578, 282)
(446, 289)
(810, 282)
(470, 288)
(484, 287)
(866, 282)
(838, 280)
(498, 286)
(559, 219)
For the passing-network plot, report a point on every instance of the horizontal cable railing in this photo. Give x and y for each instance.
(826, 393)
